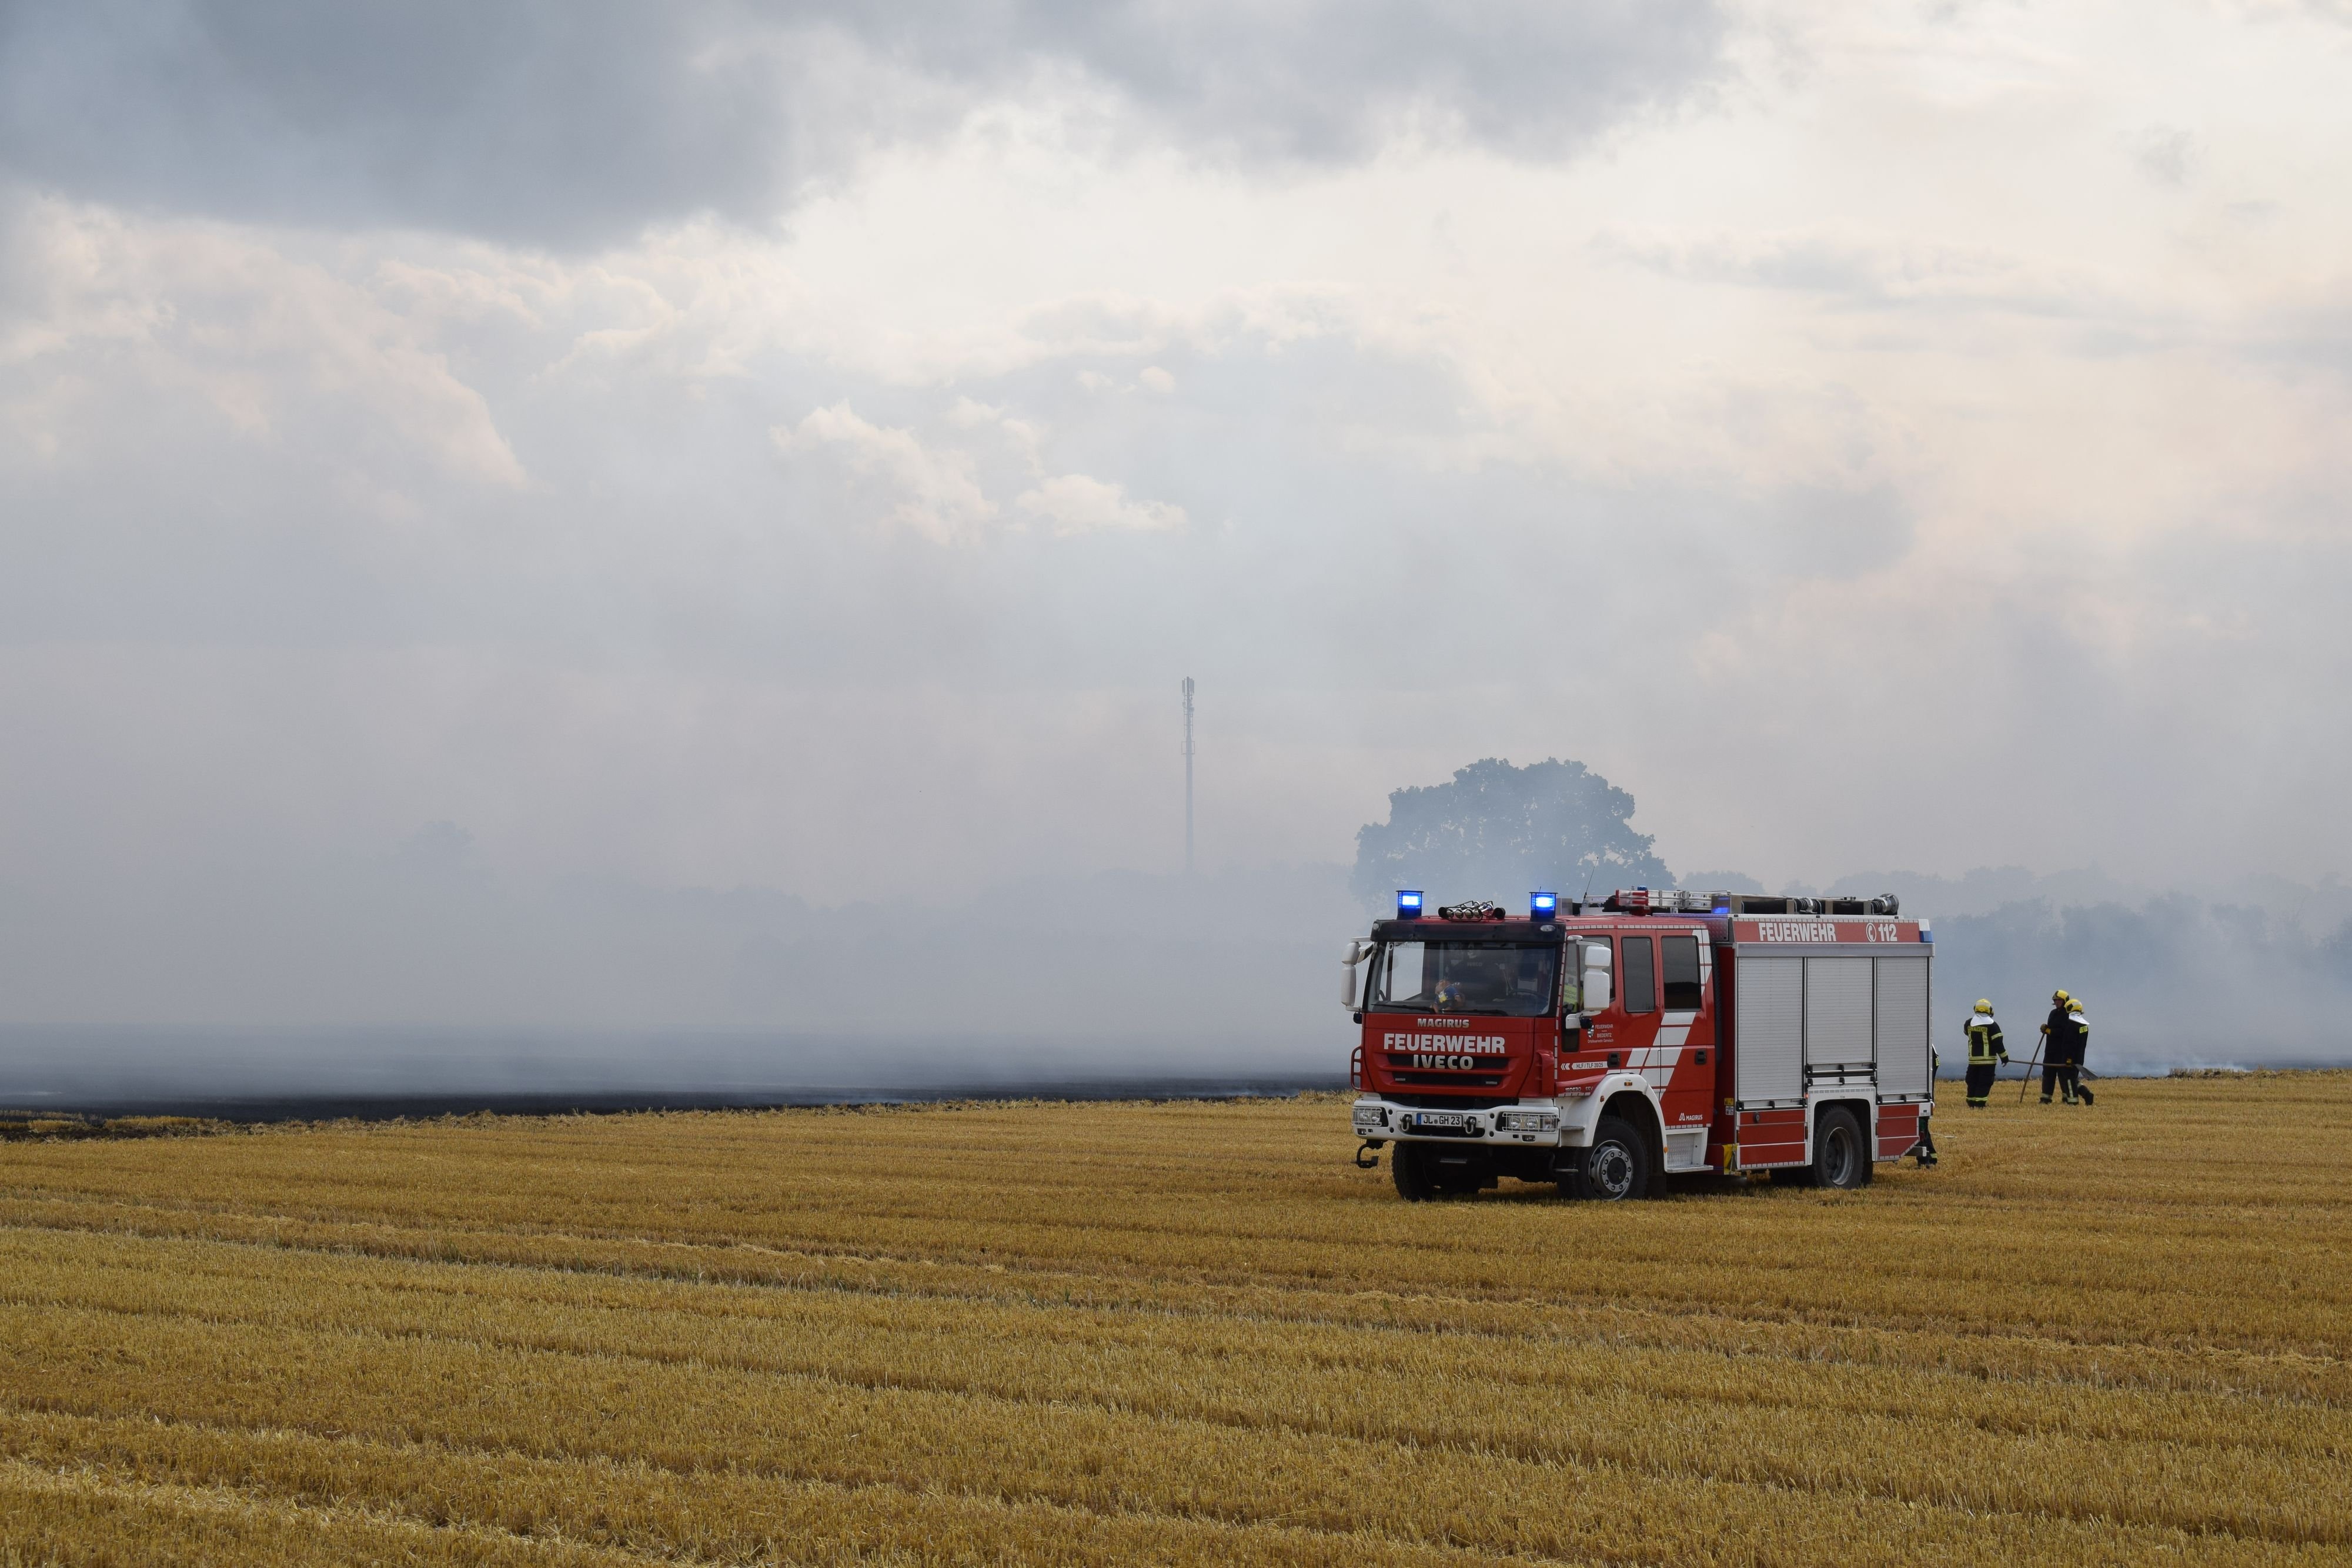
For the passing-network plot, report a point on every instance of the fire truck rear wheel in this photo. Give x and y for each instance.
(1840, 1158)
(1615, 1168)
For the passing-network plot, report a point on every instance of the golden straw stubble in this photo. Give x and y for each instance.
(1176, 1331)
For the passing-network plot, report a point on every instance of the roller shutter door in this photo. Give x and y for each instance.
(1902, 1063)
(1837, 1012)
(1769, 1059)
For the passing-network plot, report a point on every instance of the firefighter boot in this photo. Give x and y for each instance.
(2083, 1090)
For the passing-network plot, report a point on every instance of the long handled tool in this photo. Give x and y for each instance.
(2024, 1088)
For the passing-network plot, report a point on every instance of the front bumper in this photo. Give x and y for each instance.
(1565, 1123)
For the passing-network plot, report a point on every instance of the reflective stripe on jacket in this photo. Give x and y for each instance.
(1985, 1044)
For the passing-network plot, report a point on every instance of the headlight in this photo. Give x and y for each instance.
(1370, 1116)
(1527, 1121)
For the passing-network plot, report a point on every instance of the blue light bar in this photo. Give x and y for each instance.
(1543, 905)
(1408, 903)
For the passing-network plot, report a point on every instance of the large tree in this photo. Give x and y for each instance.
(1497, 830)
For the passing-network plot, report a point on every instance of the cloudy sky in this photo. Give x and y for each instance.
(710, 445)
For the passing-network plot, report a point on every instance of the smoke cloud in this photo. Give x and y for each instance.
(758, 473)
(570, 125)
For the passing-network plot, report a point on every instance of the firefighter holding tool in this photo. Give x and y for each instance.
(2081, 1048)
(2058, 1035)
(1987, 1052)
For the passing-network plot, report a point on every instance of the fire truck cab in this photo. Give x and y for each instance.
(1605, 1046)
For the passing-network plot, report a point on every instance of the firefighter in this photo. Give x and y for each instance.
(2057, 1038)
(2081, 1048)
(1987, 1052)
(1925, 1153)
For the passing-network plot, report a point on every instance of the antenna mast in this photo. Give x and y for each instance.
(1188, 776)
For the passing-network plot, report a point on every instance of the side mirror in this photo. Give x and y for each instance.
(1600, 978)
(1357, 951)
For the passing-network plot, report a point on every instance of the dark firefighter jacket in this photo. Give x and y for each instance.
(1984, 1040)
(2066, 1037)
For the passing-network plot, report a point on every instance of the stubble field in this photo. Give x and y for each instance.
(1175, 1333)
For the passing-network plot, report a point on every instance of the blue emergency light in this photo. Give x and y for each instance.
(1543, 905)
(1408, 903)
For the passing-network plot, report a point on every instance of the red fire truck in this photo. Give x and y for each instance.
(1604, 1046)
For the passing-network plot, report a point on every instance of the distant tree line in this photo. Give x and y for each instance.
(2173, 979)
(1497, 831)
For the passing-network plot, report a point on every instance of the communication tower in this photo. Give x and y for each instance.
(1188, 776)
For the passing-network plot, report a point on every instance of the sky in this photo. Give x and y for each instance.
(802, 447)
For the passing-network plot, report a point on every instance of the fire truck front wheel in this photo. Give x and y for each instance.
(1615, 1168)
(1414, 1173)
(1422, 1171)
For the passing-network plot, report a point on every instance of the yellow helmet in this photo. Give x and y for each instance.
(2073, 1004)
(1983, 1006)
(2058, 996)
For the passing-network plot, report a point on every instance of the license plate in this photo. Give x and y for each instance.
(1438, 1119)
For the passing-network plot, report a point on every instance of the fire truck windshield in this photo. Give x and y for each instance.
(1495, 977)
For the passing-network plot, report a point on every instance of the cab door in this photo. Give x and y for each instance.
(1682, 1056)
(1634, 1020)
